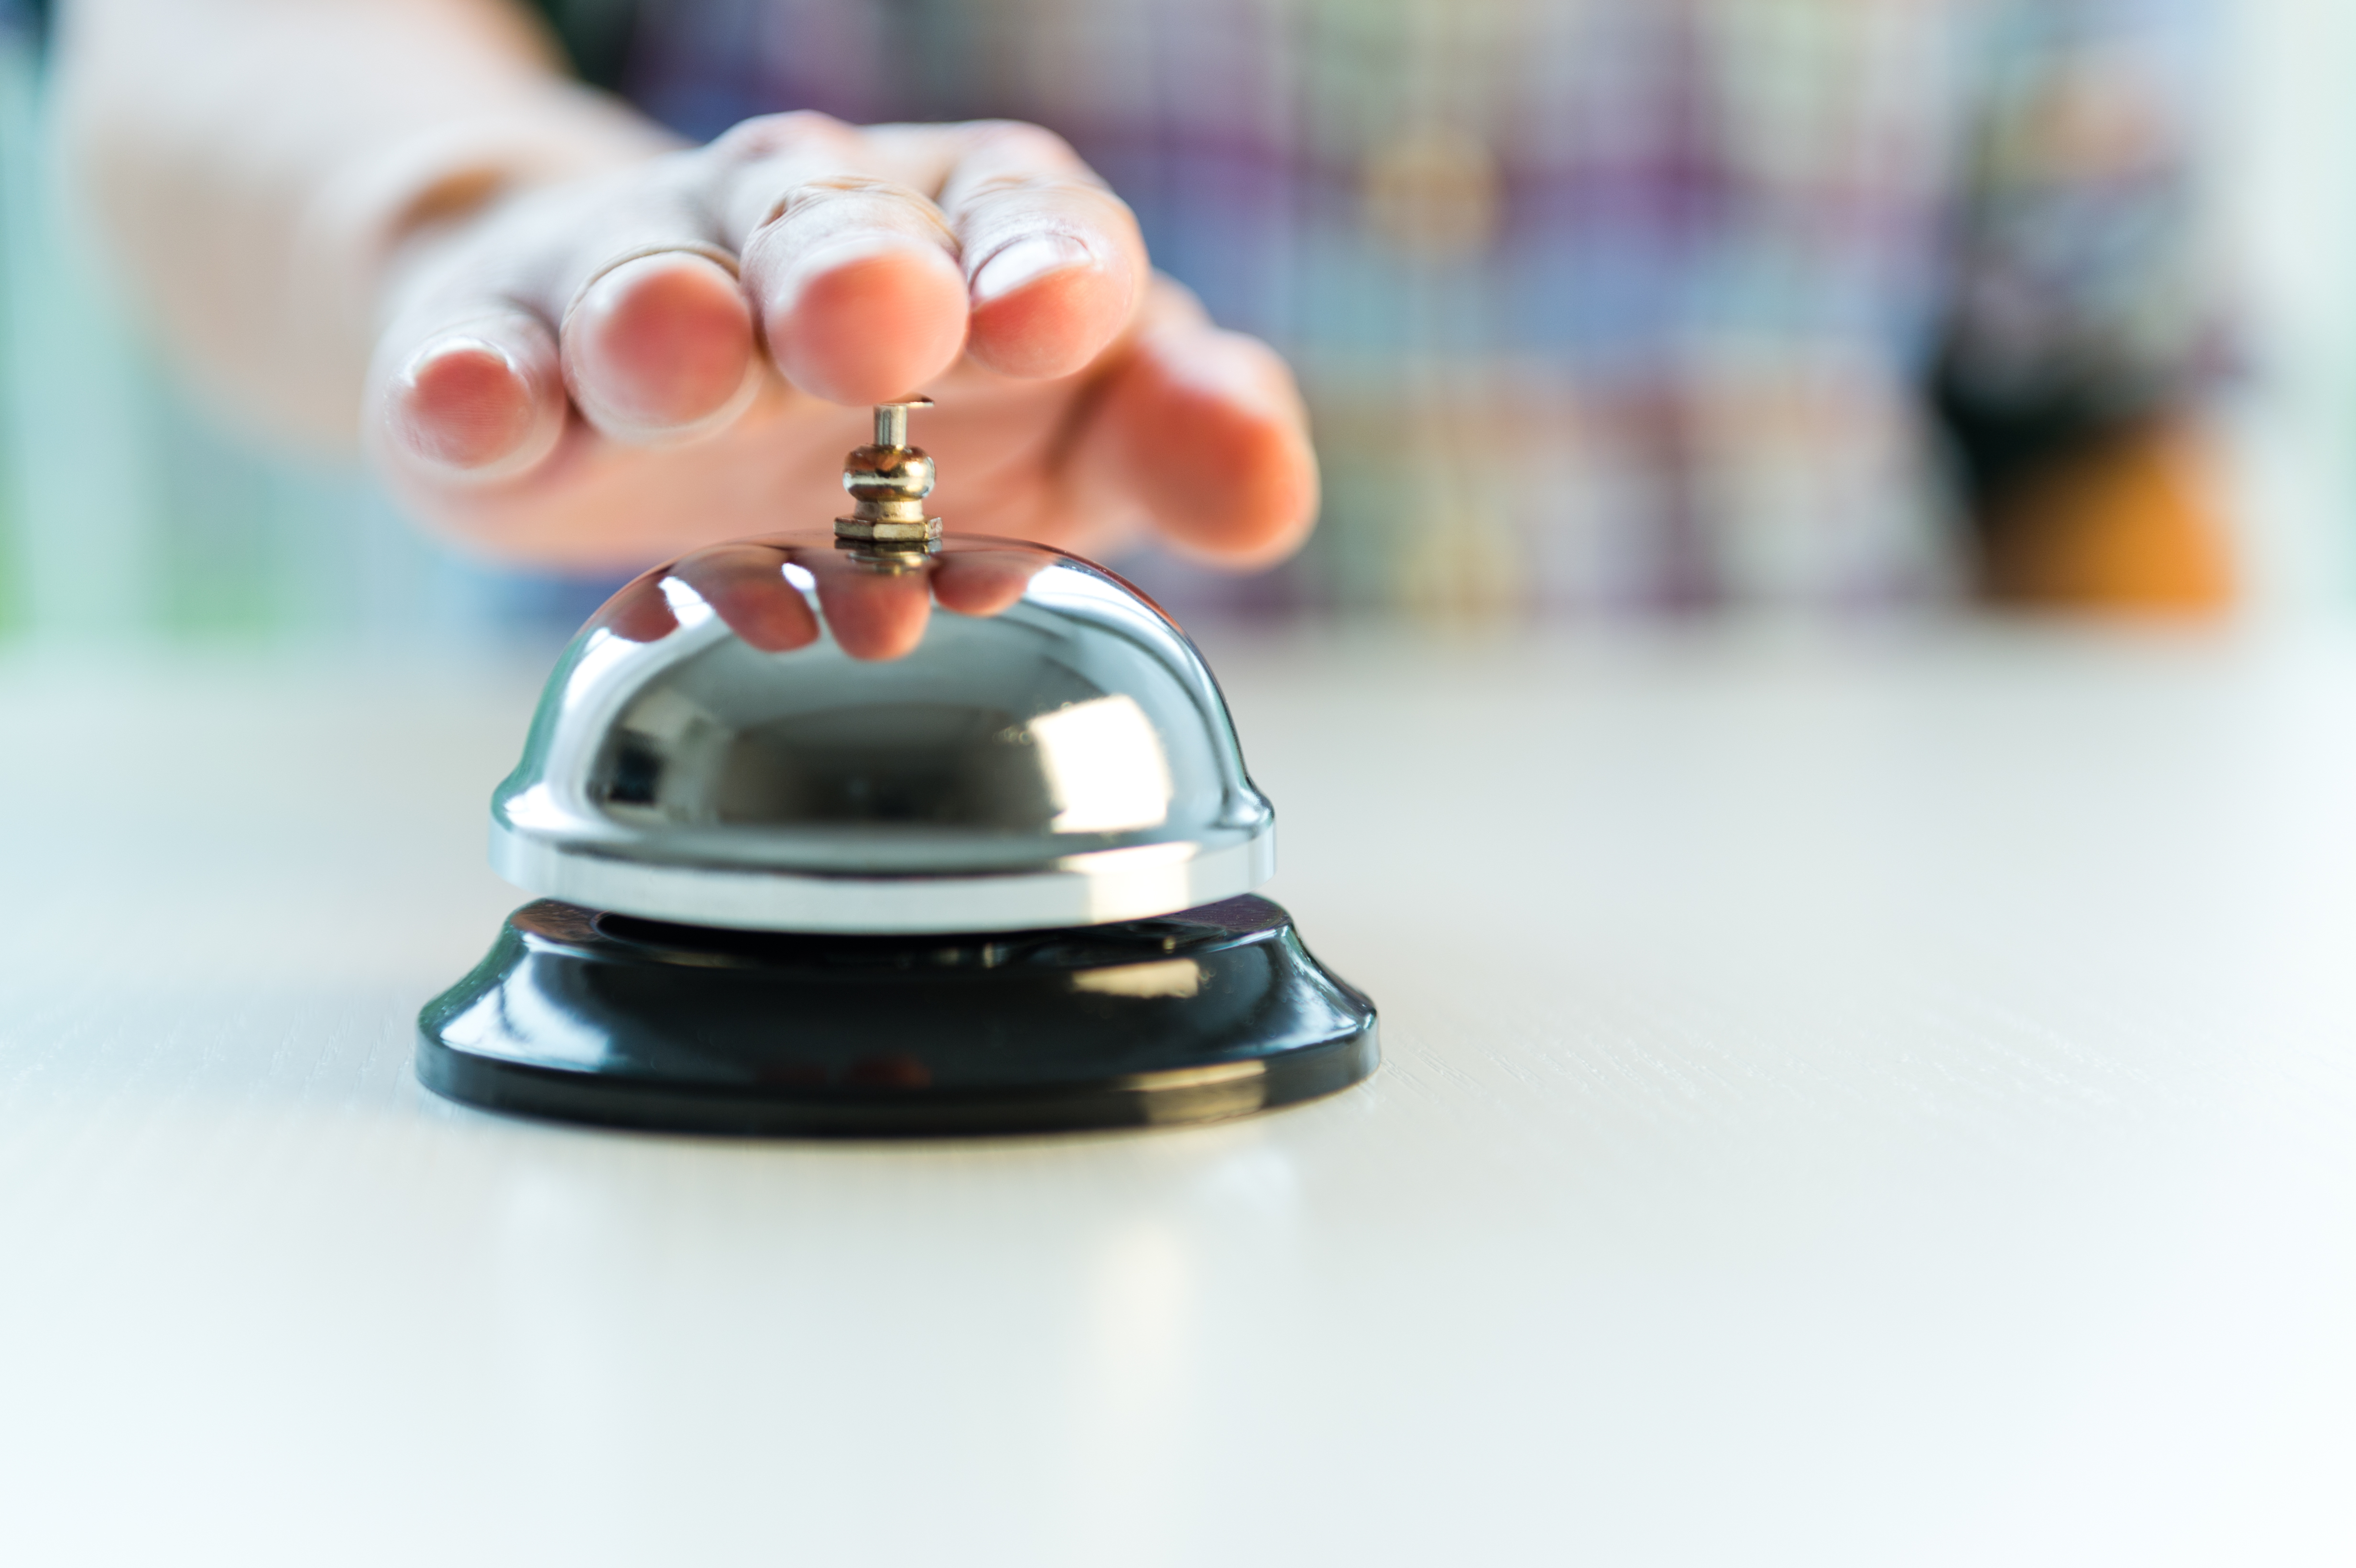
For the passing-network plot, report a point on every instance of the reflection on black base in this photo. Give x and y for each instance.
(1211, 1013)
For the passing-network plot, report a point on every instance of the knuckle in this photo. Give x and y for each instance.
(1011, 187)
(767, 135)
(883, 199)
(839, 187)
(1021, 139)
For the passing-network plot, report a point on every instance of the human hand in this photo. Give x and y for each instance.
(598, 373)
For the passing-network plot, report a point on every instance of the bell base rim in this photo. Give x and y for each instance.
(630, 1104)
(1044, 1043)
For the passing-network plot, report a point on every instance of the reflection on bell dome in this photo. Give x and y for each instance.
(1104, 766)
(793, 733)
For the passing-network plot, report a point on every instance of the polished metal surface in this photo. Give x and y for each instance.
(798, 734)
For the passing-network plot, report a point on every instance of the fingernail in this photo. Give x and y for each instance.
(466, 405)
(1025, 260)
(422, 362)
(482, 403)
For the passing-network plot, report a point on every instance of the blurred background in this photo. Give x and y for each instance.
(131, 513)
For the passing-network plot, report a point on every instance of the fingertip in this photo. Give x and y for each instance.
(475, 405)
(1045, 307)
(1218, 450)
(660, 349)
(869, 321)
(1261, 516)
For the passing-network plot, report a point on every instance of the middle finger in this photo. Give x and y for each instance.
(852, 269)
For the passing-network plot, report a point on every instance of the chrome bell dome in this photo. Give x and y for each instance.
(879, 730)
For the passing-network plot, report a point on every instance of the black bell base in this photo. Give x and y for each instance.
(1195, 1016)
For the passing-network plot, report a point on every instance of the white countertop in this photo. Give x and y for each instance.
(1880, 1101)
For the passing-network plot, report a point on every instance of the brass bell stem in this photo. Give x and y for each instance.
(888, 482)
